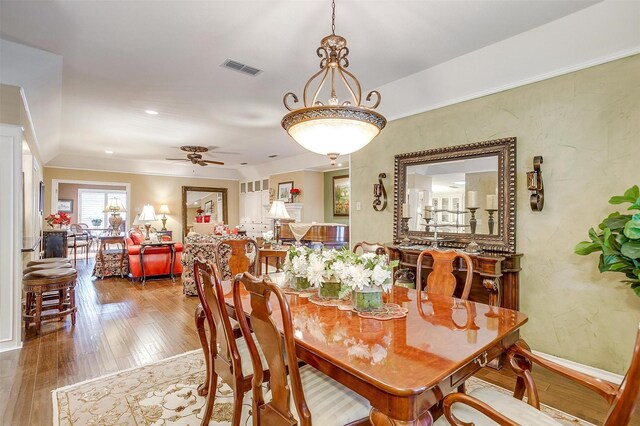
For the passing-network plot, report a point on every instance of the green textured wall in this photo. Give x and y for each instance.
(586, 124)
(328, 197)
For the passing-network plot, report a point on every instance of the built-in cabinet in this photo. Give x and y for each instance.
(254, 207)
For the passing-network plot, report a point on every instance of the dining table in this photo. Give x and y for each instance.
(405, 366)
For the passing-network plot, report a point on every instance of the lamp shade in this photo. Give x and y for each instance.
(115, 205)
(278, 211)
(136, 221)
(148, 214)
(164, 209)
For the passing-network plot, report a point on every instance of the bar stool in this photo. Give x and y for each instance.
(45, 266)
(39, 282)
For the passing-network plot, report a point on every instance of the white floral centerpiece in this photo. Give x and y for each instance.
(267, 237)
(296, 267)
(325, 271)
(367, 276)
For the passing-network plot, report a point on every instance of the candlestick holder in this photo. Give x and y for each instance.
(473, 247)
(426, 226)
(491, 222)
(405, 230)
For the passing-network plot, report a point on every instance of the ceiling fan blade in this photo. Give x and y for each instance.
(202, 163)
(213, 162)
(177, 159)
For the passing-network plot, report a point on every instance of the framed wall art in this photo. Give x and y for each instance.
(341, 195)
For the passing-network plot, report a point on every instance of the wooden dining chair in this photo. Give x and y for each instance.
(485, 403)
(314, 393)
(225, 355)
(366, 247)
(441, 279)
(236, 256)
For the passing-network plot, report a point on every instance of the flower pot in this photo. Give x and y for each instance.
(299, 283)
(367, 299)
(198, 219)
(330, 289)
(207, 218)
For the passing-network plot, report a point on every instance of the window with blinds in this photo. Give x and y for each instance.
(91, 203)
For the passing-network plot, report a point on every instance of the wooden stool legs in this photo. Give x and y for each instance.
(46, 286)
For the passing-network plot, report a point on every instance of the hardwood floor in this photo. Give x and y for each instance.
(122, 324)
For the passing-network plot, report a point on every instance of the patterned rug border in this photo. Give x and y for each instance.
(54, 393)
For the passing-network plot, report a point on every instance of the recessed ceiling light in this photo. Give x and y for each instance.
(339, 164)
(151, 112)
(108, 152)
(273, 156)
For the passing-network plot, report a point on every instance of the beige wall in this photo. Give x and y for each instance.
(69, 191)
(147, 189)
(328, 197)
(311, 185)
(587, 126)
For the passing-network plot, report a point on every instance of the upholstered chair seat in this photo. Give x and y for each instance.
(515, 409)
(330, 402)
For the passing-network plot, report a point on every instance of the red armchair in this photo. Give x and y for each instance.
(157, 260)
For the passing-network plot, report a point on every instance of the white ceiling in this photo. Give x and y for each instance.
(123, 57)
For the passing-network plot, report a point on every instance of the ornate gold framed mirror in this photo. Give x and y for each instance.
(210, 202)
(452, 196)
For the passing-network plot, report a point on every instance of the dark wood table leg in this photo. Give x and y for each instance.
(173, 261)
(377, 418)
(144, 278)
(37, 316)
(102, 244)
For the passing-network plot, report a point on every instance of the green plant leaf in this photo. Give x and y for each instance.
(585, 247)
(621, 239)
(630, 196)
(595, 237)
(631, 249)
(632, 228)
(635, 206)
(615, 221)
(636, 290)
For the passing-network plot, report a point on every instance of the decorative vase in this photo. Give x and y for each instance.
(367, 299)
(299, 283)
(330, 289)
(198, 219)
(207, 218)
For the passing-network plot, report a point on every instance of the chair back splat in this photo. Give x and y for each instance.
(441, 279)
(278, 411)
(221, 351)
(366, 247)
(235, 256)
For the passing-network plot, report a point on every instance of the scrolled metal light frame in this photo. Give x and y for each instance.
(333, 53)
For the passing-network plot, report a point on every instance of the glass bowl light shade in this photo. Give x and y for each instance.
(330, 130)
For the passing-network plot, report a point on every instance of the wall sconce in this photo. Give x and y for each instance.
(534, 183)
(379, 192)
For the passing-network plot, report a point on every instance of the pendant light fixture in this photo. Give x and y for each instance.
(339, 126)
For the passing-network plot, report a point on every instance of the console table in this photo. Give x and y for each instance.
(145, 245)
(495, 275)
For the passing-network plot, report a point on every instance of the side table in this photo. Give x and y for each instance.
(105, 239)
(144, 246)
(278, 254)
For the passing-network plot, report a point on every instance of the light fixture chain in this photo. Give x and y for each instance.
(333, 17)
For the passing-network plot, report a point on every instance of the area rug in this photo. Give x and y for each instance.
(165, 393)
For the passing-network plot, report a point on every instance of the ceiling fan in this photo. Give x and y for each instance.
(194, 155)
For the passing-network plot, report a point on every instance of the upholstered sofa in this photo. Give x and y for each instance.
(203, 246)
(157, 260)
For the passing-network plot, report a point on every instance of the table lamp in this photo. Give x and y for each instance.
(278, 211)
(147, 216)
(164, 211)
(115, 207)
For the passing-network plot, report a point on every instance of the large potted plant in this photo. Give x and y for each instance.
(618, 240)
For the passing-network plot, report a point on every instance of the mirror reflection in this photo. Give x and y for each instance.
(448, 195)
(203, 209)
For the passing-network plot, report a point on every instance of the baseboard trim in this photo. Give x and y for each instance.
(586, 369)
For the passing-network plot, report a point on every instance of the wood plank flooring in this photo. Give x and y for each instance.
(122, 324)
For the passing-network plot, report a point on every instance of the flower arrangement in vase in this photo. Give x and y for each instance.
(96, 222)
(58, 219)
(267, 237)
(367, 276)
(294, 192)
(296, 264)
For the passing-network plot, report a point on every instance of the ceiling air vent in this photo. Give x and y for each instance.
(240, 67)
